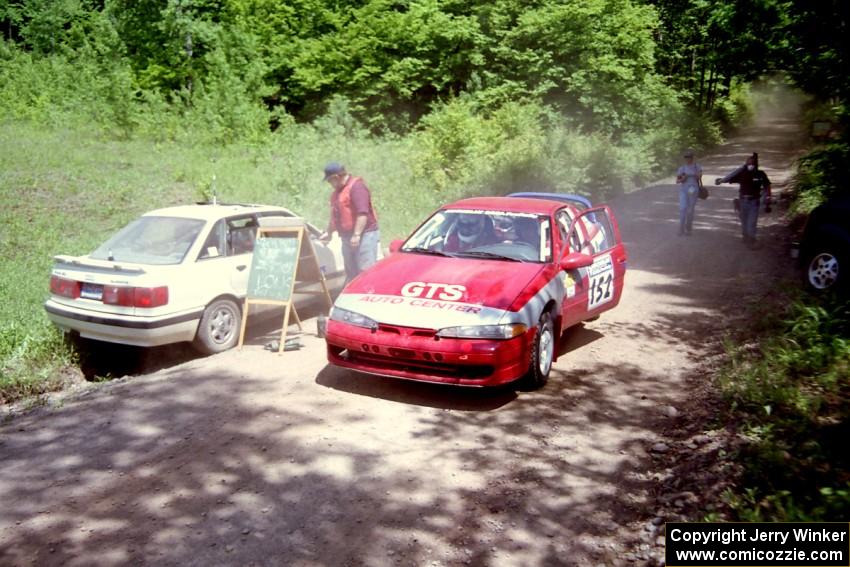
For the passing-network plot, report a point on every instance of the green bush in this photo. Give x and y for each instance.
(791, 397)
(452, 145)
(85, 87)
(461, 149)
(77, 88)
(735, 109)
(821, 173)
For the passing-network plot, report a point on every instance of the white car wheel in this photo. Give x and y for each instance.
(219, 327)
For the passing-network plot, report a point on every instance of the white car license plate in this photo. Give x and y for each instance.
(91, 291)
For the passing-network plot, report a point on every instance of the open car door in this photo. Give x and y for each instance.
(597, 287)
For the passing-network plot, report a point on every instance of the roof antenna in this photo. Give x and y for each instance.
(212, 189)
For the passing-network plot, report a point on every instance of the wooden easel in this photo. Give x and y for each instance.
(306, 268)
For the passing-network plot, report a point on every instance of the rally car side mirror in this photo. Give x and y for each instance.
(395, 246)
(576, 260)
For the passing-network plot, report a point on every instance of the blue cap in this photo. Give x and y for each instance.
(333, 168)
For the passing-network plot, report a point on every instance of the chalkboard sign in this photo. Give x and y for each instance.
(282, 254)
(273, 266)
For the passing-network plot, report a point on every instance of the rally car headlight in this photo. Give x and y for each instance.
(507, 331)
(352, 318)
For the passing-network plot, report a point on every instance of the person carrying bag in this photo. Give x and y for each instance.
(689, 178)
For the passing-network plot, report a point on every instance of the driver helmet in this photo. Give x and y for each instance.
(469, 228)
(505, 228)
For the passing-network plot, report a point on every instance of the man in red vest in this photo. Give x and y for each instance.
(353, 218)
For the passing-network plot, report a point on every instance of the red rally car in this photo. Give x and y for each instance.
(479, 294)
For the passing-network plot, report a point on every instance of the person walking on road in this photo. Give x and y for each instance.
(353, 217)
(689, 178)
(753, 186)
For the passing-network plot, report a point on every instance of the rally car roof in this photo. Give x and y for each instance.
(579, 201)
(511, 204)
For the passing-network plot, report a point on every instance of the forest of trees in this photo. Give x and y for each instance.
(591, 96)
(617, 87)
(612, 67)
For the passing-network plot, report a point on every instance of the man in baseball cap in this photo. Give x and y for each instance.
(353, 218)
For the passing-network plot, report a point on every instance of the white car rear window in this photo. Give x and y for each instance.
(151, 240)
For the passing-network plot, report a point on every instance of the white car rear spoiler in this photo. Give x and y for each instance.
(84, 263)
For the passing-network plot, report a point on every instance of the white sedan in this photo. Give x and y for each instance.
(174, 274)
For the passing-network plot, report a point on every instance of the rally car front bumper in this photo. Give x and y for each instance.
(419, 354)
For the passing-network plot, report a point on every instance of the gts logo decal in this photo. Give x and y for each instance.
(446, 292)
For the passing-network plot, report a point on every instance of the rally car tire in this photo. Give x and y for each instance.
(542, 353)
(218, 330)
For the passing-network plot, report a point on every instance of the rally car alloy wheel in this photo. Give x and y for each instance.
(542, 354)
(219, 327)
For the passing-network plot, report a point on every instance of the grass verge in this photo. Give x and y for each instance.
(788, 395)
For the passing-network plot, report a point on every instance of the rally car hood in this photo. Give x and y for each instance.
(432, 291)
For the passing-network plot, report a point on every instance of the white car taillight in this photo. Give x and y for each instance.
(145, 297)
(64, 287)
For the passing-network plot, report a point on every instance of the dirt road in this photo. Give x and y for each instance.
(251, 458)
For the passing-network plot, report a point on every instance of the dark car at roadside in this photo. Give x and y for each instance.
(825, 247)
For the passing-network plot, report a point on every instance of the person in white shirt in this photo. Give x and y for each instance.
(689, 178)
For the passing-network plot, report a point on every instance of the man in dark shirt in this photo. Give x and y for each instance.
(753, 184)
(353, 218)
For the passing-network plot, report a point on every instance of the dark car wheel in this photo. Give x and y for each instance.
(825, 269)
(542, 353)
(219, 327)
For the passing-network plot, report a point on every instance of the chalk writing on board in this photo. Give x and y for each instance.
(273, 267)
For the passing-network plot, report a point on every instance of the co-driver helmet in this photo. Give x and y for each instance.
(469, 227)
(505, 228)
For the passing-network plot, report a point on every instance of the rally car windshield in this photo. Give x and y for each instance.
(495, 235)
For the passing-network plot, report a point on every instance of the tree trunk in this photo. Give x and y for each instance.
(709, 102)
(187, 45)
